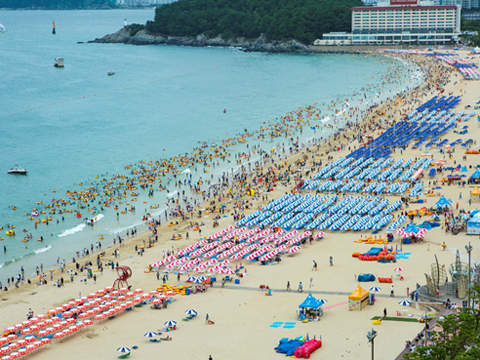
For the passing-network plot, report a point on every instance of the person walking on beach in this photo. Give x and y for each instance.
(288, 286)
(300, 287)
(314, 265)
(207, 319)
(311, 283)
(331, 260)
(391, 292)
(384, 313)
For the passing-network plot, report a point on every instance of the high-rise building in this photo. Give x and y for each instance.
(470, 4)
(406, 21)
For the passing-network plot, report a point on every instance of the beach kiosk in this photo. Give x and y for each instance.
(473, 225)
(475, 195)
(311, 308)
(358, 299)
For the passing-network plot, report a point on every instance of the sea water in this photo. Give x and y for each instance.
(76, 125)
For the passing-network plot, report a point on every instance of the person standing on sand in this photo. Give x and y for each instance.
(391, 292)
(207, 319)
(311, 283)
(331, 260)
(288, 286)
(384, 313)
(314, 265)
(300, 287)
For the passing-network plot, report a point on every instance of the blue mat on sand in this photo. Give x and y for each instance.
(374, 251)
(274, 326)
(290, 323)
(278, 323)
(288, 326)
(288, 347)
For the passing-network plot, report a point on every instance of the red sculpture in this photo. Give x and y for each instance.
(298, 185)
(124, 272)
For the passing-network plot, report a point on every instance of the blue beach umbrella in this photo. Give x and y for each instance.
(375, 288)
(404, 303)
(171, 323)
(322, 301)
(123, 349)
(191, 312)
(150, 334)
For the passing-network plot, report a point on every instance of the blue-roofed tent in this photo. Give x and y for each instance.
(310, 302)
(476, 174)
(443, 202)
(313, 304)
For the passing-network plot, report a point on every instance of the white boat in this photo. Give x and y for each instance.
(59, 62)
(17, 170)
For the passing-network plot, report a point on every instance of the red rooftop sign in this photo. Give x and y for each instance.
(403, 2)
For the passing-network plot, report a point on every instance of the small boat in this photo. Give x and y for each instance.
(59, 62)
(110, 73)
(17, 170)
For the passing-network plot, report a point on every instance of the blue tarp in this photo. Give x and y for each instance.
(429, 225)
(310, 302)
(374, 251)
(366, 277)
(288, 347)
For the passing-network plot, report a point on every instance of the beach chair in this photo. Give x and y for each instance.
(124, 356)
(155, 340)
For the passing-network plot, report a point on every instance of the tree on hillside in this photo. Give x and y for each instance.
(305, 20)
(458, 338)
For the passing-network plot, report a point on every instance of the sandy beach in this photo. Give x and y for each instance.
(241, 312)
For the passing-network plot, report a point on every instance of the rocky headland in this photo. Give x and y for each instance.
(261, 44)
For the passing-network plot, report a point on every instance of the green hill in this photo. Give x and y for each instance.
(305, 20)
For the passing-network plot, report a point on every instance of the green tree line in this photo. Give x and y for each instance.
(305, 20)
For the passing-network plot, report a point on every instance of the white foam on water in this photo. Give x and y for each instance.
(41, 250)
(72, 231)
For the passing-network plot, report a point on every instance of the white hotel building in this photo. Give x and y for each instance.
(400, 21)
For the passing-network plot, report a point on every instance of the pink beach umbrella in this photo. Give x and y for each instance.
(30, 338)
(293, 249)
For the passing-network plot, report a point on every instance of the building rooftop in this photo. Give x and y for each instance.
(368, 8)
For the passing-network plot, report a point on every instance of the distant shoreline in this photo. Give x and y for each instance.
(261, 44)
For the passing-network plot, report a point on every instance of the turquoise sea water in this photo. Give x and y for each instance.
(70, 125)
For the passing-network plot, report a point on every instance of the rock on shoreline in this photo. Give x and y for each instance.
(262, 44)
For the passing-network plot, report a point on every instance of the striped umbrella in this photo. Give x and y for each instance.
(191, 312)
(375, 288)
(123, 349)
(150, 334)
(170, 323)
